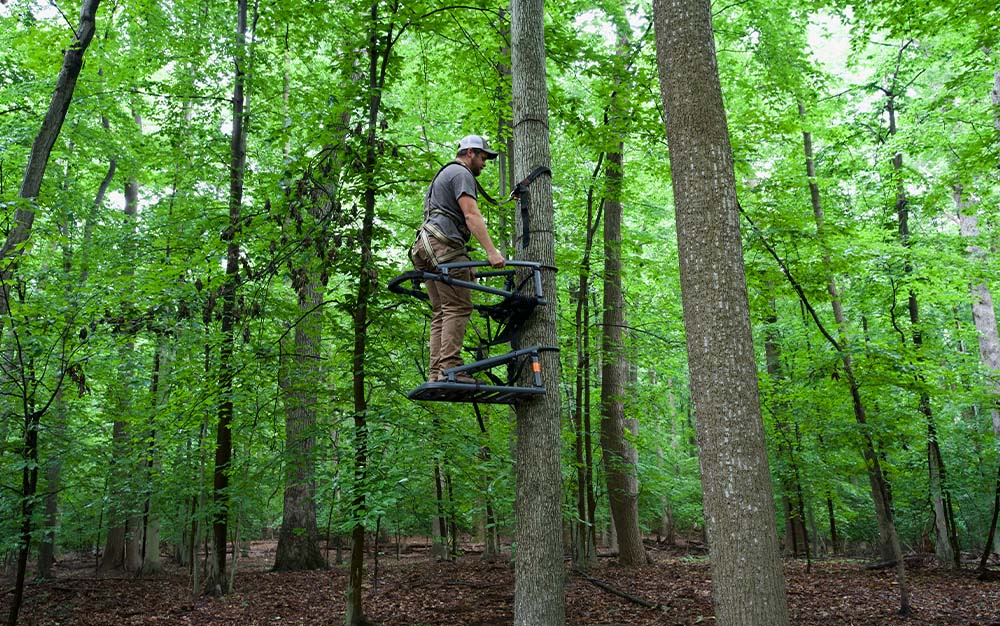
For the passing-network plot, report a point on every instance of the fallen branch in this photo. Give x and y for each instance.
(621, 594)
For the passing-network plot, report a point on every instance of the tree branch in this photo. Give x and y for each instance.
(791, 279)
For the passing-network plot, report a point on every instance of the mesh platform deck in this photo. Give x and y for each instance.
(481, 393)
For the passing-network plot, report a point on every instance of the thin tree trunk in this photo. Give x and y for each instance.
(539, 575)
(889, 538)
(53, 479)
(747, 579)
(133, 520)
(620, 457)
(29, 485)
(378, 63)
(219, 580)
(41, 148)
(795, 526)
(11, 250)
(936, 472)
(585, 550)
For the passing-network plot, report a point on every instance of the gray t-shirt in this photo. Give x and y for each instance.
(441, 209)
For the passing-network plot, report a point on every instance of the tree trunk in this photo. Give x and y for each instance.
(159, 392)
(41, 148)
(620, 456)
(585, 549)
(24, 216)
(796, 536)
(936, 472)
(219, 580)
(983, 316)
(888, 537)
(134, 527)
(378, 64)
(491, 538)
(113, 557)
(300, 378)
(747, 578)
(539, 575)
(29, 486)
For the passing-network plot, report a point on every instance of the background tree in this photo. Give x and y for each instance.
(748, 582)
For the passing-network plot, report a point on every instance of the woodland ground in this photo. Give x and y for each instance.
(415, 590)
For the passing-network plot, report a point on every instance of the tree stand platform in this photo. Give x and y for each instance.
(514, 303)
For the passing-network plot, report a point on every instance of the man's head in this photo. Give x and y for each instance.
(474, 152)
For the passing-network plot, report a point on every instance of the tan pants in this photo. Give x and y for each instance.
(451, 307)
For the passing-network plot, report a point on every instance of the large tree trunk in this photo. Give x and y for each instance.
(300, 378)
(539, 575)
(620, 456)
(747, 578)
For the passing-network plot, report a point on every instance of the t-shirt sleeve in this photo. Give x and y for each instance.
(464, 185)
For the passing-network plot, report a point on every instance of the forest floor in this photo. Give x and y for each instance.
(413, 590)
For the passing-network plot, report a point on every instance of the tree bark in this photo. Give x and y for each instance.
(300, 378)
(747, 579)
(539, 575)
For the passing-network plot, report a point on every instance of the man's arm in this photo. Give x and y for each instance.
(477, 226)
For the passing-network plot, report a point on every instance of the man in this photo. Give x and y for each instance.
(451, 217)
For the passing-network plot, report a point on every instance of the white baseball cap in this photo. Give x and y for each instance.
(479, 143)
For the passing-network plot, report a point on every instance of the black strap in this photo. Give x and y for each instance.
(524, 200)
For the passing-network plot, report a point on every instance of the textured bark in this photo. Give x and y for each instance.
(539, 575)
(300, 378)
(747, 579)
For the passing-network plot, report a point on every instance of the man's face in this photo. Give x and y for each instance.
(478, 162)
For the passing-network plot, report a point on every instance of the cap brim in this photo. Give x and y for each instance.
(491, 154)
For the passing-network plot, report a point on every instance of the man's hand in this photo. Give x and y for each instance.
(496, 259)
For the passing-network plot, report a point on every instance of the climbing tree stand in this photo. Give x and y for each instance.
(512, 303)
